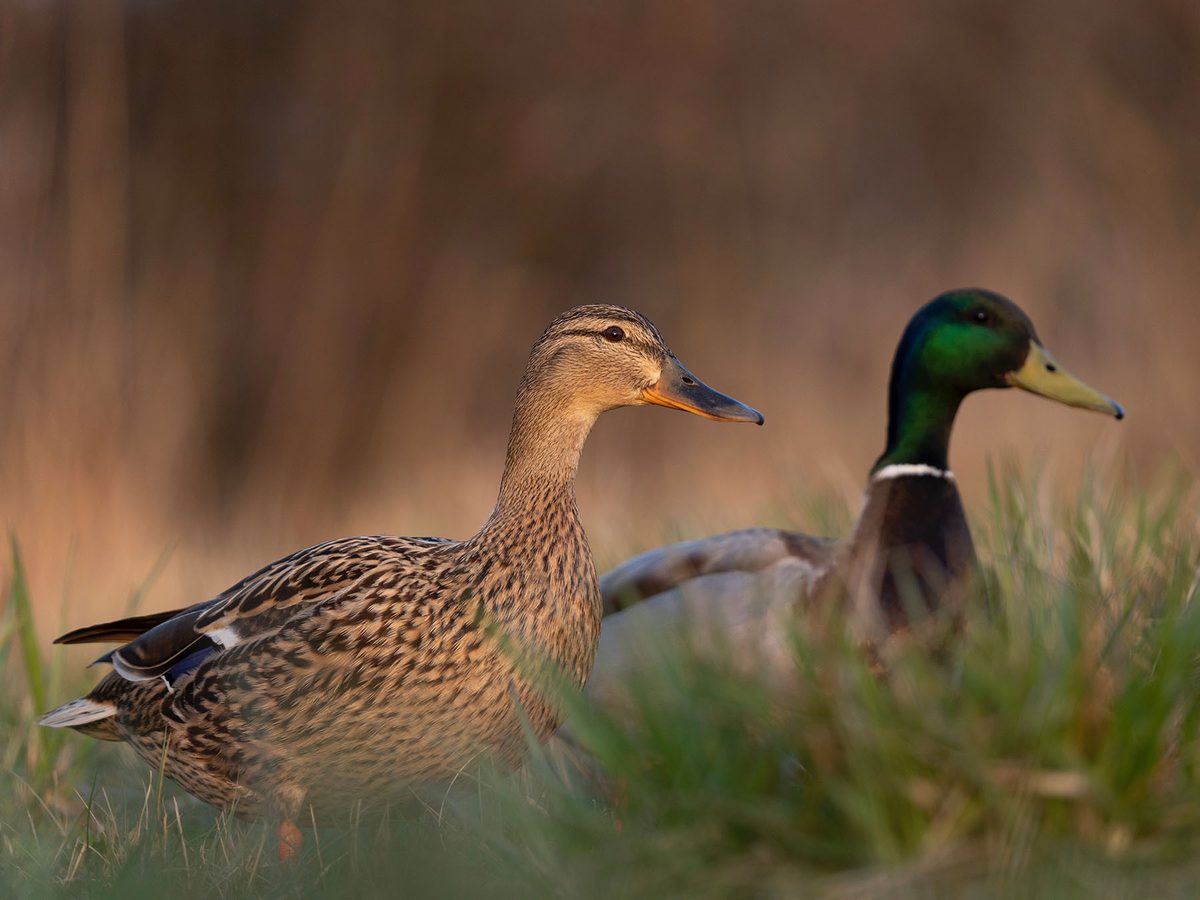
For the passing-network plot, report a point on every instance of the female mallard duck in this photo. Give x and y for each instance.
(911, 540)
(343, 671)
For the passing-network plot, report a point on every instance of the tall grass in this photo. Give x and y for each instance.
(1051, 751)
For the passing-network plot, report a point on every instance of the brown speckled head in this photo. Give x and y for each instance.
(599, 357)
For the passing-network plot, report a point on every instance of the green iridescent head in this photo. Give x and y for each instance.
(964, 341)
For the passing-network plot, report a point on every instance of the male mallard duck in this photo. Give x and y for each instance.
(912, 535)
(343, 671)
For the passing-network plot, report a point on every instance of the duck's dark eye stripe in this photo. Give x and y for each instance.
(578, 332)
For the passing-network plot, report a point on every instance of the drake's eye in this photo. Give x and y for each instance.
(614, 334)
(981, 316)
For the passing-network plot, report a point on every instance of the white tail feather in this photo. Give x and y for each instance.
(77, 712)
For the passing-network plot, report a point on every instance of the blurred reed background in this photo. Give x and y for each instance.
(269, 271)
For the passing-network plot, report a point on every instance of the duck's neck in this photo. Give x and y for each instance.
(913, 530)
(544, 445)
(920, 418)
(550, 602)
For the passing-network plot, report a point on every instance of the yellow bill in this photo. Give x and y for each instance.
(1043, 376)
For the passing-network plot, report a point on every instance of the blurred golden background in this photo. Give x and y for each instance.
(269, 271)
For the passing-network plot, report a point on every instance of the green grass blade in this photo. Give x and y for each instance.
(18, 598)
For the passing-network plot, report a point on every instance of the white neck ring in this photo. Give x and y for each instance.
(911, 470)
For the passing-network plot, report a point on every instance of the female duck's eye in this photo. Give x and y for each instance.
(981, 316)
(614, 334)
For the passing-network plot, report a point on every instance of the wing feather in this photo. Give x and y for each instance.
(746, 550)
(162, 643)
(122, 630)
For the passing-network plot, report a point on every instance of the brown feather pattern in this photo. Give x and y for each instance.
(348, 670)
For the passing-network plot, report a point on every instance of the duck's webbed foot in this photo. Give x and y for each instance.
(290, 841)
(289, 804)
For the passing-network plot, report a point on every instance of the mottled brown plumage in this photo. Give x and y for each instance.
(347, 671)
